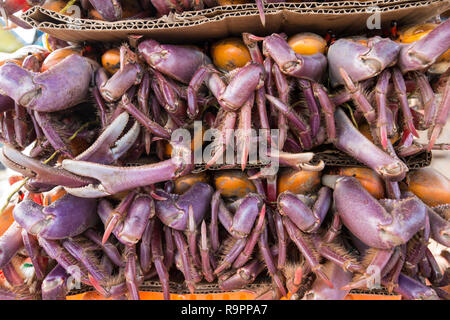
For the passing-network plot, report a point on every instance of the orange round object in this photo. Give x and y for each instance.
(298, 182)
(368, 178)
(307, 43)
(230, 53)
(111, 60)
(6, 218)
(430, 186)
(53, 195)
(182, 184)
(233, 183)
(57, 56)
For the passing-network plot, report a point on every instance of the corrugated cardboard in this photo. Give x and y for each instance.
(343, 17)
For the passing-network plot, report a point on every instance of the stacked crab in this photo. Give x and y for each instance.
(111, 200)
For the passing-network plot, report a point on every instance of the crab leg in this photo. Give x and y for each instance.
(245, 123)
(57, 252)
(268, 260)
(130, 271)
(358, 97)
(297, 121)
(379, 260)
(281, 238)
(213, 226)
(296, 236)
(412, 289)
(145, 253)
(380, 97)
(96, 273)
(244, 256)
(334, 254)
(20, 125)
(442, 115)
(108, 248)
(428, 100)
(32, 247)
(140, 211)
(169, 252)
(192, 237)
(226, 129)
(188, 269)
(112, 221)
(158, 257)
(310, 89)
(400, 89)
(44, 121)
(243, 276)
(147, 123)
(334, 230)
(205, 255)
(143, 97)
(440, 228)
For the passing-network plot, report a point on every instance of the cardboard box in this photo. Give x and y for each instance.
(345, 17)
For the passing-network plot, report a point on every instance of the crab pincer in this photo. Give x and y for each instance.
(42, 177)
(296, 207)
(114, 179)
(351, 141)
(66, 217)
(174, 211)
(34, 91)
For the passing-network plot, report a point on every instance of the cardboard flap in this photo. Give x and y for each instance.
(343, 17)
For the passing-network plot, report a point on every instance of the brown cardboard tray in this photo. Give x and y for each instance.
(343, 17)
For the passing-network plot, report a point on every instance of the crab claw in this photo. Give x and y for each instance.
(113, 179)
(173, 212)
(66, 217)
(107, 149)
(380, 224)
(422, 53)
(44, 175)
(361, 62)
(61, 87)
(298, 161)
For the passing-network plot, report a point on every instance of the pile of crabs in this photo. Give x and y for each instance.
(105, 199)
